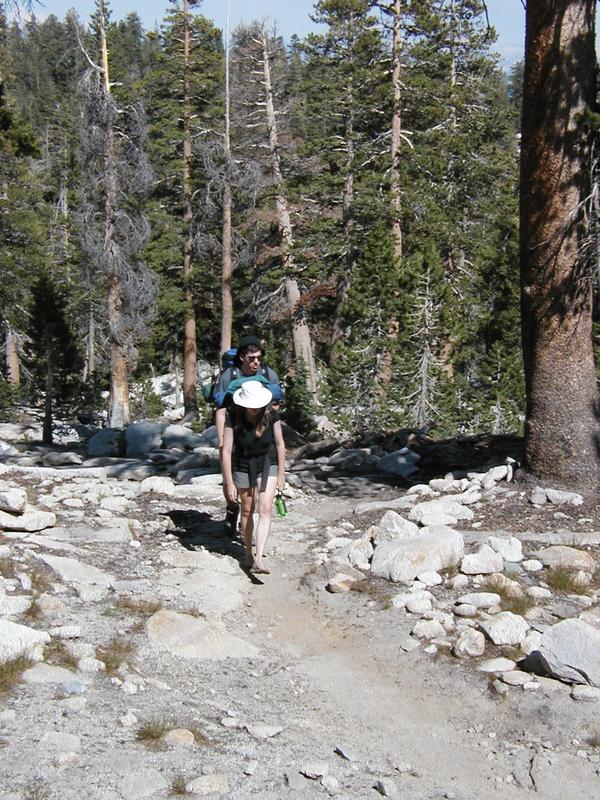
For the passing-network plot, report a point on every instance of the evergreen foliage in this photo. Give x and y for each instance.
(431, 338)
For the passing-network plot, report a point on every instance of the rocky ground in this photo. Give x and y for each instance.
(138, 659)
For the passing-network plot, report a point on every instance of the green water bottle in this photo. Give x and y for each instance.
(280, 506)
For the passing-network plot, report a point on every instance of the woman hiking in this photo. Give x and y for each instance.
(253, 464)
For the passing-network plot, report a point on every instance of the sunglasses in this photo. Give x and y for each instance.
(254, 358)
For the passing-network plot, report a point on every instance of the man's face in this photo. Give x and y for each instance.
(250, 359)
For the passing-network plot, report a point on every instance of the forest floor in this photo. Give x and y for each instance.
(315, 695)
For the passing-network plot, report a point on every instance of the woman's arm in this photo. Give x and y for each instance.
(280, 450)
(229, 487)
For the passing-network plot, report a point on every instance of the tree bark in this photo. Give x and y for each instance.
(190, 401)
(562, 432)
(301, 338)
(13, 367)
(118, 409)
(227, 264)
(397, 130)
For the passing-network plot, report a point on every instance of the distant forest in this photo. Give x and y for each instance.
(350, 196)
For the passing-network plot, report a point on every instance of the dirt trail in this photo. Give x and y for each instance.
(393, 708)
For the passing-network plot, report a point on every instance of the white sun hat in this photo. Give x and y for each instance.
(252, 394)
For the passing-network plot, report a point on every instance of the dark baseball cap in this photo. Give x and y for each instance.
(249, 341)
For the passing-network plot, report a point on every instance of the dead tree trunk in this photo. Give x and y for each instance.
(303, 347)
(190, 401)
(562, 432)
(227, 265)
(13, 367)
(118, 409)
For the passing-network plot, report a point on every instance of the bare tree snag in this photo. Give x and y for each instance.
(562, 431)
(227, 265)
(190, 401)
(13, 367)
(303, 348)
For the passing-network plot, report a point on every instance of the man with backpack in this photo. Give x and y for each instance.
(247, 366)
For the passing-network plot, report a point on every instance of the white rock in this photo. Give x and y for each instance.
(465, 610)
(436, 548)
(531, 642)
(557, 497)
(418, 605)
(480, 599)
(585, 693)
(497, 665)
(13, 500)
(340, 583)
(187, 637)
(158, 485)
(532, 565)
(439, 512)
(483, 562)
(428, 629)
(262, 731)
(567, 558)
(18, 640)
(458, 582)
(570, 651)
(515, 678)
(393, 526)
(31, 520)
(539, 593)
(430, 578)
(76, 572)
(509, 547)
(505, 628)
(400, 600)
(470, 643)
(208, 784)
(48, 674)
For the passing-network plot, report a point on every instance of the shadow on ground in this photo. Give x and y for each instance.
(196, 529)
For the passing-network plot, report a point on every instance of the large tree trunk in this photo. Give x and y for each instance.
(190, 401)
(89, 366)
(13, 369)
(562, 432)
(227, 264)
(118, 409)
(301, 338)
(49, 395)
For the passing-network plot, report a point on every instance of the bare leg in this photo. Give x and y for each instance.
(265, 514)
(247, 497)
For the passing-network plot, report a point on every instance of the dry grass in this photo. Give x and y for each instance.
(178, 786)
(565, 580)
(449, 572)
(11, 673)
(143, 607)
(37, 789)
(40, 581)
(375, 590)
(518, 605)
(594, 740)
(200, 737)
(57, 653)
(34, 612)
(116, 651)
(497, 585)
(152, 731)
(7, 568)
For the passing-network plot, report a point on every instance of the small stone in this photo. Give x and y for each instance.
(430, 578)
(470, 644)
(250, 767)
(179, 737)
(532, 565)
(346, 753)
(539, 592)
(483, 562)
(315, 770)
(128, 720)
(480, 599)
(509, 547)
(340, 583)
(587, 694)
(458, 582)
(497, 665)
(515, 678)
(263, 731)
(387, 788)
(428, 629)
(465, 610)
(207, 784)
(330, 784)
